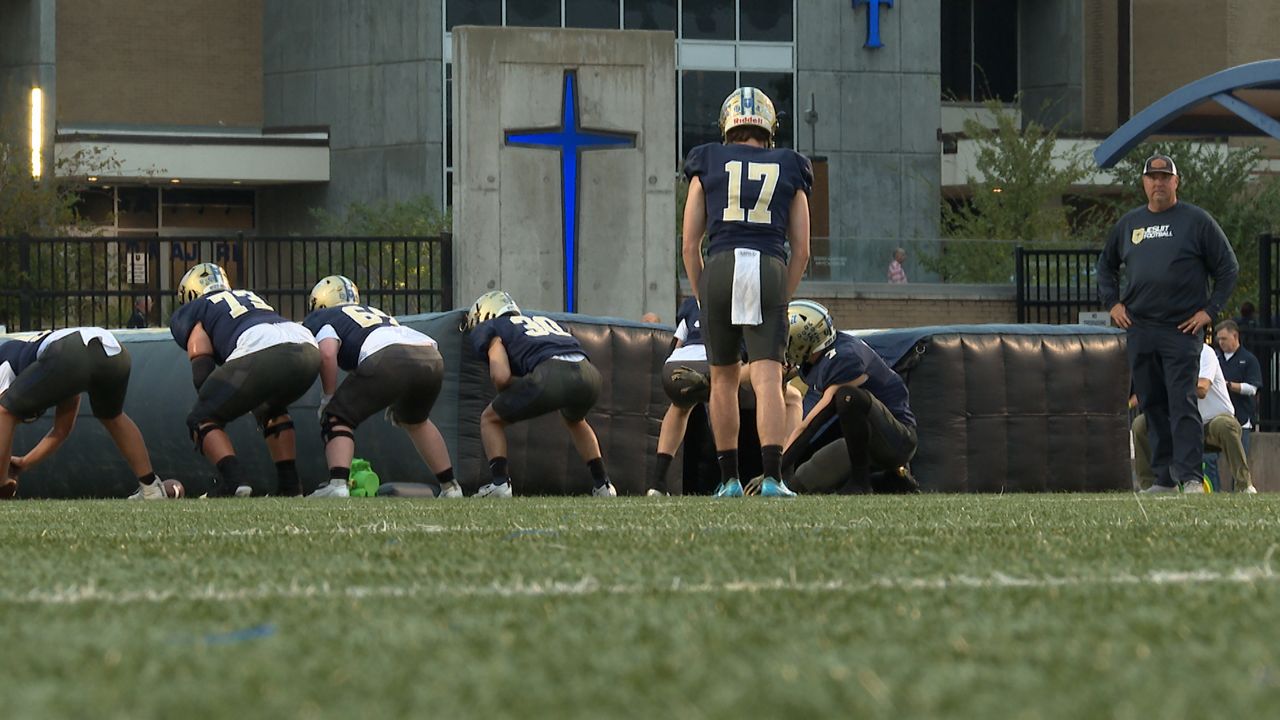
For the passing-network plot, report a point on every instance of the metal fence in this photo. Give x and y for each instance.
(85, 281)
(1055, 286)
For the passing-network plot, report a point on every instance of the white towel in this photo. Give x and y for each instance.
(746, 287)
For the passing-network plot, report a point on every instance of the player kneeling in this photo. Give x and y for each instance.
(244, 358)
(537, 367)
(52, 370)
(388, 366)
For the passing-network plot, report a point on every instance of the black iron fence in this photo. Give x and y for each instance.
(84, 281)
(1055, 286)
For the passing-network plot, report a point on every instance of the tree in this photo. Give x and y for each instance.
(47, 207)
(416, 217)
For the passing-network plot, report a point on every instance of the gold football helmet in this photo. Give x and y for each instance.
(810, 329)
(488, 306)
(333, 291)
(201, 280)
(748, 106)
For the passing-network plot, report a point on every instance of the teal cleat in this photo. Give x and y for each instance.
(731, 488)
(772, 487)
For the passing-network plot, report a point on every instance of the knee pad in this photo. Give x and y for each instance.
(333, 427)
(269, 431)
(198, 430)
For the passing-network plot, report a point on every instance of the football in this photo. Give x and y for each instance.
(174, 489)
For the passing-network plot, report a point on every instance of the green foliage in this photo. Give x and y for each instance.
(416, 217)
(1222, 181)
(47, 207)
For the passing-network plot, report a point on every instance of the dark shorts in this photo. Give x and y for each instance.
(264, 383)
(570, 387)
(406, 378)
(683, 393)
(724, 340)
(68, 367)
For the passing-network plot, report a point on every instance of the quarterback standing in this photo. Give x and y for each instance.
(752, 201)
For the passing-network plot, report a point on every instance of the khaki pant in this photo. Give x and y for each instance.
(1221, 434)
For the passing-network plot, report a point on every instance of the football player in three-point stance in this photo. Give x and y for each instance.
(388, 365)
(752, 200)
(537, 367)
(52, 369)
(244, 358)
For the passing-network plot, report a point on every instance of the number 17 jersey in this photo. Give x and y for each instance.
(748, 193)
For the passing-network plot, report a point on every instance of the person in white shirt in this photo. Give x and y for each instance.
(1221, 429)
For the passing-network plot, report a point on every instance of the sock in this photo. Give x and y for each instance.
(339, 475)
(771, 458)
(728, 460)
(660, 473)
(232, 474)
(444, 477)
(287, 475)
(498, 468)
(149, 479)
(597, 471)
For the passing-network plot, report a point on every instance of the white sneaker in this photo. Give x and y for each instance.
(655, 492)
(450, 490)
(154, 491)
(492, 490)
(1193, 487)
(1251, 490)
(334, 489)
(605, 490)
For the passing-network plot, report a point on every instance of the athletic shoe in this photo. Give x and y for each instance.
(654, 492)
(731, 488)
(1251, 490)
(1157, 489)
(495, 490)
(1193, 487)
(332, 489)
(154, 491)
(605, 490)
(450, 490)
(772, 487)
(244, 491)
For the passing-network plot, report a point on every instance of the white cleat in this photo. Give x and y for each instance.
(334, 489)
(1251, 490)
(244, 491)
(655, 492)
(1193, 487)
(154, 491)
(450, 490)
(497, 491)
(605, 490)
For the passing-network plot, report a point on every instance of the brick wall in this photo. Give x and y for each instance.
(177, 62)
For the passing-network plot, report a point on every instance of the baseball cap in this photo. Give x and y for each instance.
(1159, 164)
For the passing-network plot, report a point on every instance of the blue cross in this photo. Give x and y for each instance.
(571, 139)
(873, 20)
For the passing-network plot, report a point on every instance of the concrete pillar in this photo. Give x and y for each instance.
(514, 195)
(27, 59)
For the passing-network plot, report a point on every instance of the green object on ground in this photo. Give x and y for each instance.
(364, 481)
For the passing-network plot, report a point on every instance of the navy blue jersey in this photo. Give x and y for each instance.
(353, 323)
(748, 192)
(20, 353)
(691, 315)
(225, 316)
(529, 339)
(848, 359)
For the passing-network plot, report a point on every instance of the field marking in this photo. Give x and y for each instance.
(90, 593)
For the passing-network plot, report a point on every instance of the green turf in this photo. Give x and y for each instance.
(958, 606)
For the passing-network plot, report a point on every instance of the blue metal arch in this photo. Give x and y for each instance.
(1218, 86)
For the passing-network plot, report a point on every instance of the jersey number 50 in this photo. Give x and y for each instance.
(766, 173)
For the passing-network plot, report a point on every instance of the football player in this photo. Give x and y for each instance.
(856, 398)
(537, 367)
(51, 370)
(752, 200)
(244, 358)
(388, 366)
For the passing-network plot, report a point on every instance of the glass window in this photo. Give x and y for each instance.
(700, 99)
(765, 20)
(957, 50)
(533, 13)
(708, 20)
(650, 15)
(979, 50)
(448, 115)
(137, 208)
(780, 89)
(591, 14)
(472, 12)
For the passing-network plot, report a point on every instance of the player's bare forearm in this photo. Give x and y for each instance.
(198, 343)
(329, 366)
(499, 365)
(692, 230)
(63, 421)
(798, 232)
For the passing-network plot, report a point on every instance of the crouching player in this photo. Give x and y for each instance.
(537, 367)
(858, 402)
(244, 358)
(388, 366)
(53, 369)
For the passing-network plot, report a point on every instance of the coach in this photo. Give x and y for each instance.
(1169, 251)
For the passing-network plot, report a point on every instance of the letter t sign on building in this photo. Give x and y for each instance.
(873, 20)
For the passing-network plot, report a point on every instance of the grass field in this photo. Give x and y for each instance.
(935, 606)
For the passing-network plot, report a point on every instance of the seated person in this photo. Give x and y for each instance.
(859, 416)
(1221, 430)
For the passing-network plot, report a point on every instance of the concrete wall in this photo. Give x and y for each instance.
(879, 111)
(27, 53)
(507, 207)
(372, 74)
(181, 62)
